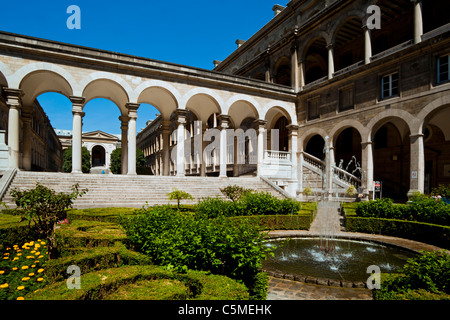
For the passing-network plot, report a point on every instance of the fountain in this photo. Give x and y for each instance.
(326, 253)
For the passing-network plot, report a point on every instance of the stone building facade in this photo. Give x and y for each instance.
(376, 97)
(356, 92)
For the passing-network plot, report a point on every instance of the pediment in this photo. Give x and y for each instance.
(99, 135)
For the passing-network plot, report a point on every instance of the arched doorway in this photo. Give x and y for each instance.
(98, 156)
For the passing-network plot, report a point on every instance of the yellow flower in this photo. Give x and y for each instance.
(40, 270)
(37, 253)
(20, 287)
(31, 274)
(6, 254)
(24, 268)
(19, 254)
(33, 265)
(25, 278)
(33, 251)
(30, 257)
(2, 272)
(5, 258)
(14, 269)
(20, 298)
(43, 243)
(15, 259)
(41, 256)
(5, 285)
(32, 243)
(40, 279)
(37, 245)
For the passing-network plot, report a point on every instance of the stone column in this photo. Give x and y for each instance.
(367, 45)
(27, 117)
(181, 120)
(14, 103)
(124, 143)
(165, 130)
(367, 169)
(78, 114)
(293, 147)
(132, 115)
(295, 68)
(418, 21)
(224, 124)
(417, 175)
(330, 49)
(330, 170)
(301, 69)
(260, 129)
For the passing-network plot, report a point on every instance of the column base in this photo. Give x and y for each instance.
(77, 172)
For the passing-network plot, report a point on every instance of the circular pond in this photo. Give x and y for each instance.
(341, 260)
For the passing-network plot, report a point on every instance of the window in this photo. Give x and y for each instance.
(389, 86)
(443, 69)
(346, 98)
(313, 109)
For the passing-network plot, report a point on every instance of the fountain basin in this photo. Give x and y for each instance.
(347, 262)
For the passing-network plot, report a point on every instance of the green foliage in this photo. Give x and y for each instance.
(442, 190)
(116, 161)
(85, 160)
(179, 241)
(424, 232)
(44, 208)
(179, 195)
(351, 191)
(307, 191)
(250, 203)
(426, 277)
(235, 192)
(420, 208)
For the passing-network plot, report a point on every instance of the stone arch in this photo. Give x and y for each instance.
(206, 99)
(161, 95)
(315, 35)
(308, 134)
(5, 74)
(345, 124)
(28, 69)
(38, 82)
(428, 111)
(111, 87)
(338, 23)
(240, 107)
(282, 71)
(283, 108)
(383, 117)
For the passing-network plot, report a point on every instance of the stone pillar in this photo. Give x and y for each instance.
(26, 147)
(132, 115)
(417, 175)
(14, 103)
(181, 120)
(295, 68)
(78, 114)
(166, 147)
(224, 124)
(330, 170)
(268, 76)
(367, 169)
(418, 21)
(330, 49)
(293, 147)
(260, 129)
(301, 69)
(124, 143)
(367, 45)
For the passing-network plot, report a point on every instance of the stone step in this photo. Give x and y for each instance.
(131, 191)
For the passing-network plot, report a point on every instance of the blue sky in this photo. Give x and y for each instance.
(192, 33)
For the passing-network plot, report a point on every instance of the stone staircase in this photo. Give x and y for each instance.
(131, 191)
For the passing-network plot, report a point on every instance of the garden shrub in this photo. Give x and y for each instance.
(176, 240)
(426, 277)
(424, 232)
(420, 208)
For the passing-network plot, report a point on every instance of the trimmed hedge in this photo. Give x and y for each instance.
(279, 222)
(13, 231)
(419, 231)
(97, 285)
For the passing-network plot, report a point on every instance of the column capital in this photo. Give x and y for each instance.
(13, 97)
(79, 101)
(181, 115)
(224, 120)
(417, 135)
(132, 110)
(366, 143)
(259, 123)
(292, 127)
(124, 119)
(329, 46)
